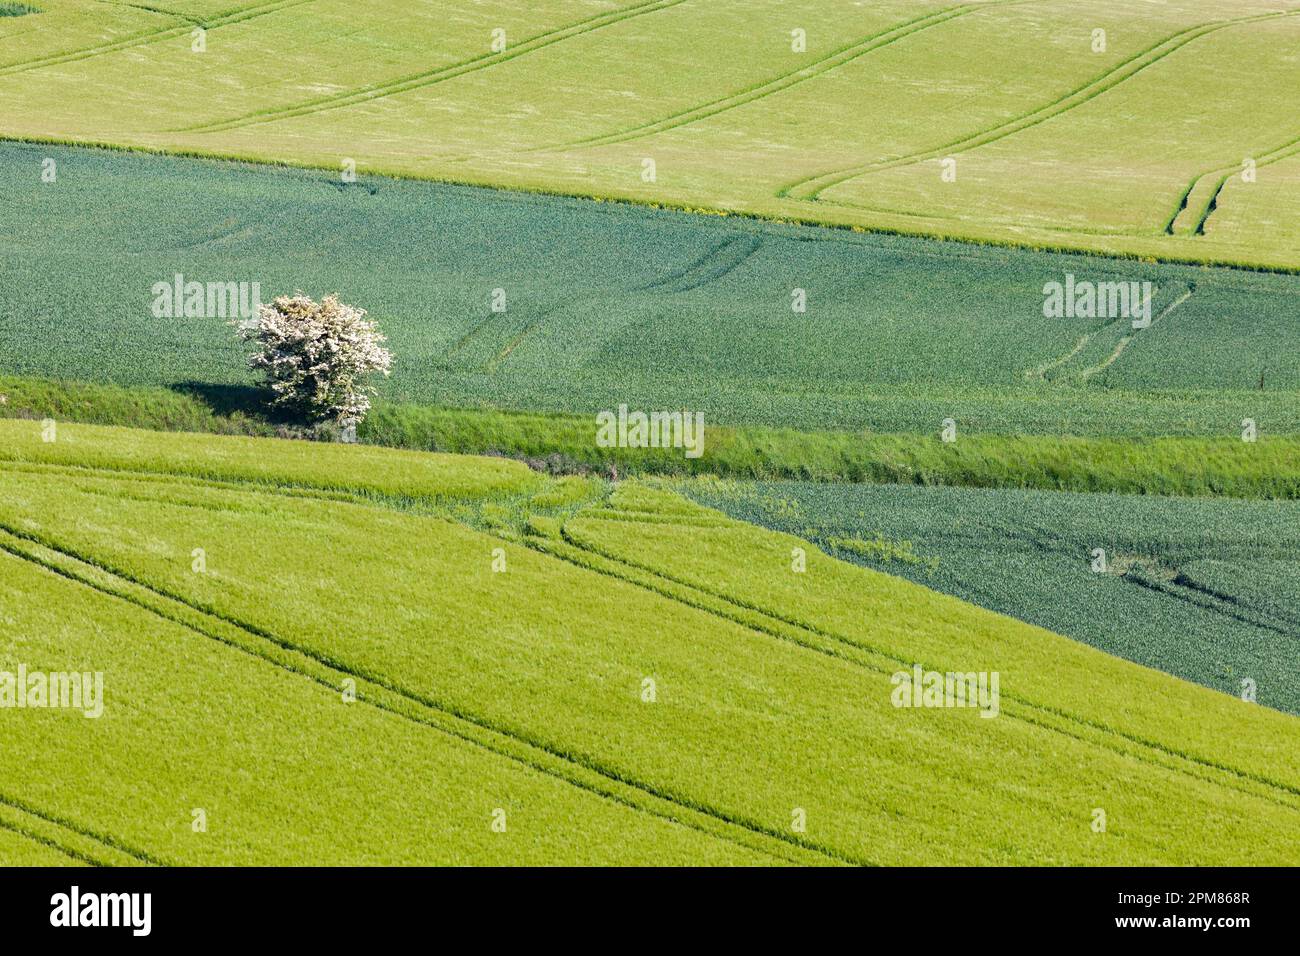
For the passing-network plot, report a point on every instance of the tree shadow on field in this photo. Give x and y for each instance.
(246, 410)
(226, 400)
(249, 404)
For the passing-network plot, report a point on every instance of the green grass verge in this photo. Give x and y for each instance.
(1230, 467)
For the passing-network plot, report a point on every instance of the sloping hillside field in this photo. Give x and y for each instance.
(1003, 120)
(640, 680)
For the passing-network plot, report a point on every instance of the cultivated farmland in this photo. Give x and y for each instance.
(1202, 589)
(602, 305)
(912, 116)
(985, 319)
(747, 662)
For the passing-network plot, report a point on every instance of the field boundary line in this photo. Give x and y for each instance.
(1279, 792)
(810, 188)
(427, 78)
(968, 244)
(386, 694)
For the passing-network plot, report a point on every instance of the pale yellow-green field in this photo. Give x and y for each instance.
(627, 676)
(1057, 136)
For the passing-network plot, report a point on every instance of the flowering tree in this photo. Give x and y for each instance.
(317, 356)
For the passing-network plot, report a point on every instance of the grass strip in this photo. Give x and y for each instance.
(565, 443)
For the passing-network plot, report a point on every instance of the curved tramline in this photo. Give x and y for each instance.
(422, 80)
(226, 18)
(1199, 201)
(811, 188)
(840, 57)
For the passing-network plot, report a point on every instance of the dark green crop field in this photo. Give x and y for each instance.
(1206, 590)
(602, 304)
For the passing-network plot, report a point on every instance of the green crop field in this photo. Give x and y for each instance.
(481, 691)
(1203, 589)
(606, 305)
(830, 112)
(987, 551)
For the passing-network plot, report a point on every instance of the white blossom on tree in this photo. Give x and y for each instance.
(317, 356)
